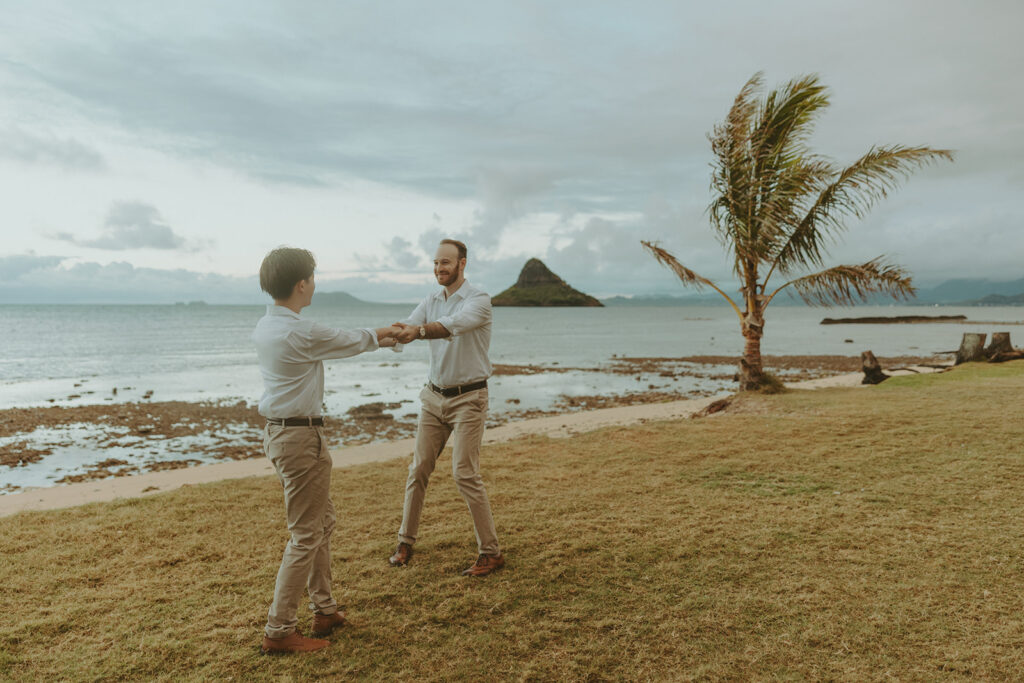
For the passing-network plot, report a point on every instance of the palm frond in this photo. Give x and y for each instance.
(784, 201)
(687, 276)
(784, 118)
(731, 179)
(761, 167)
(785, 171)
(847, 285)
(853, 192)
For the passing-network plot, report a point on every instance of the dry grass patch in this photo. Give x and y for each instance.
(850, 534)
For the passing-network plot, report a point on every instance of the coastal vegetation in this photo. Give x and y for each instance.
(777, 205)
(832, 534)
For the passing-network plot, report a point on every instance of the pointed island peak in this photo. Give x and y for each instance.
(538, 286)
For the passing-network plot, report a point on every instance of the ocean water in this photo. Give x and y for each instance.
(75, 355)
(83, 355)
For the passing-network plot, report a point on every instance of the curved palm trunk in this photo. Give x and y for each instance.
(751, 372)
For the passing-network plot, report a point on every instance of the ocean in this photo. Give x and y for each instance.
(107, 355)
(78, 354)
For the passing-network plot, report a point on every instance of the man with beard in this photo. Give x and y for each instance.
(456, 322)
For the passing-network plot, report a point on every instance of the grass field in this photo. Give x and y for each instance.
(837, 534)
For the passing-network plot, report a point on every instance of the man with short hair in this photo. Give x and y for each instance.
(291, 352)
(456, 322)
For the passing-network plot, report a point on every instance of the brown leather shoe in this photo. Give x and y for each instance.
(485, 564)
(323, 624)
(403, 553)
(292, 643)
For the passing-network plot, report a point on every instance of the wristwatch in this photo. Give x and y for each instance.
(423, 331)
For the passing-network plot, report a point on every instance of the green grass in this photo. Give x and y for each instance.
(855, 534)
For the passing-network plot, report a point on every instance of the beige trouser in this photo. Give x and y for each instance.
(439, 417)
(303, 463)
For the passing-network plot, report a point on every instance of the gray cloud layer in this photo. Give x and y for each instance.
(563, 108)
(28, 279)
(49, 149)
(15, 266)
(130, 225)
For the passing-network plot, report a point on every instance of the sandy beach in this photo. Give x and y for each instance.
(121, 479)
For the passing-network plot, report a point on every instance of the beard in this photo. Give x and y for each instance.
(453, 276)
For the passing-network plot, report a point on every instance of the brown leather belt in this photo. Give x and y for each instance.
(448, 392)
(296, 421)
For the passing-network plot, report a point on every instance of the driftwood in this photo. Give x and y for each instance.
(1000, 344)
(872, 370)
(1001, 350)
(972, 347)
(1002, 357)
(712, 408)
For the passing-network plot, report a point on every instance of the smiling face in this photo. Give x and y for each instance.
(448, 266)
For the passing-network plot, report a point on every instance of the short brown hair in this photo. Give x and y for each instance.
(458, 245)
(283, 268)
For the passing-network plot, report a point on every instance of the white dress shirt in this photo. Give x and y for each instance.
(462, 357)
(291, 352)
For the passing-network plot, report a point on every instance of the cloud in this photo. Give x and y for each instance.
(130, 225)
(523, 109)
(15, 266)
(40, 279)
(66, 153)
(504, 193)
(29, 278)
(401, 252)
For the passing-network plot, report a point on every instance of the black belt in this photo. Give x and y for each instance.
(296, 421)
(456, 391)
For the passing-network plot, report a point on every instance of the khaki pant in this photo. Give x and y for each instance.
(303, 463)
(439, 418)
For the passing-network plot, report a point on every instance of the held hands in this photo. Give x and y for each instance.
(406, 333)
(396, 334)
(386, 336)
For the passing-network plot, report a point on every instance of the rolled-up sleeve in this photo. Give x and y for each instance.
(474, 313)
(325, 342)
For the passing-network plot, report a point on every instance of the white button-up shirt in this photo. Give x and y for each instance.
(291, 352)
(462, 357)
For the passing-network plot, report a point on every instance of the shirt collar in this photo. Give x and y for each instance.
(274, 309)
(459, 293)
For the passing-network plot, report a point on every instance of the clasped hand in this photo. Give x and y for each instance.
(398, 333)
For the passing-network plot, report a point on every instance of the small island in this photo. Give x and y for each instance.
(538, 286)
(889, 319)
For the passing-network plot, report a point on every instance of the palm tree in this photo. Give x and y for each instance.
(776, 205)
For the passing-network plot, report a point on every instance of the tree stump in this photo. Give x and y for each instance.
(972, 347)
(1000, 344)
(872, 370)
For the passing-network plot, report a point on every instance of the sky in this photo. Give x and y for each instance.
(154, 152)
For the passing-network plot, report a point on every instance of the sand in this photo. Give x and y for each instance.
(554, 426)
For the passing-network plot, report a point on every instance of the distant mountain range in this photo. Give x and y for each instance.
(338, 299)
(962, 292)
(999, 300)
(975, 292)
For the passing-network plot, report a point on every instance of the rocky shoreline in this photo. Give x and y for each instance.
(155, 436)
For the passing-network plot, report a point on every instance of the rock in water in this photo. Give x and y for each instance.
(538, 286)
